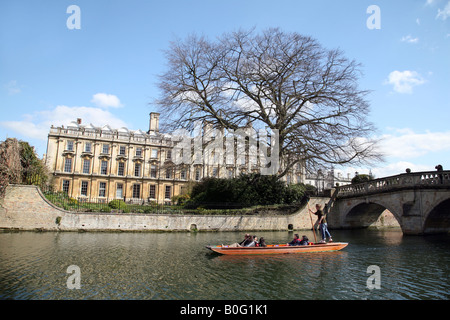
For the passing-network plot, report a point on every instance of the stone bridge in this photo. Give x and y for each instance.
(419, 201)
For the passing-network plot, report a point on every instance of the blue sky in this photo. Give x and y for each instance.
(106, 71)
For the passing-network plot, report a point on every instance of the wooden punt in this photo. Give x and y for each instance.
(278, 248)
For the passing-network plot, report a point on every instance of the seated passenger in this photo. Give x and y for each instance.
(262, 242)
(295, 241)
(246, 238)
(250, 242)
(304, 241)
(242, 243)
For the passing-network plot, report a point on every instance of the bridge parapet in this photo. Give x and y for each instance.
(423, 180)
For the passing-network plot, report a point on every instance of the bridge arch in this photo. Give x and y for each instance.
(364, 214)
(438, 219)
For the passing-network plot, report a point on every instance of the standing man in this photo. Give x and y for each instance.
(322, 222)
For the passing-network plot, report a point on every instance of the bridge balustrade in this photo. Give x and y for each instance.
(428, 179)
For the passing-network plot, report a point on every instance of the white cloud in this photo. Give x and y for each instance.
(407, 144)
(12, 87)
(399, 167)
(104, 100)
(404, 148)
(37, 125)
(391, 169)
(410, 39)
(445, 13)
(404, 81)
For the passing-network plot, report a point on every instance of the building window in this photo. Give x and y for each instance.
(86, 166)
(119, 191)
(104, 167)
(168, 173)
(183, 174)
(230, 173)
(197, 174)
(153, 171)
(136, 191)
(167, 192)
(154, 153)
(102, 189)
(105, 148)
(138, 152)
(152, 194)
(214, 172)
(84, 188)
(169, 155)
(121, 169)
(122, 150)
(65, 186)
(69, 145)
(87, 147)
(137, 170)
(68, 165)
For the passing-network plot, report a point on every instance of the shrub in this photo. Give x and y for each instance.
(73, 202)
(105, 209)
(180, 199)
(243, 191)
(119, 204)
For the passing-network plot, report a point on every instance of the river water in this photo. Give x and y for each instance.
(173, 266)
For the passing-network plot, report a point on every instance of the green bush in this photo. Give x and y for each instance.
(180, 199)
(243, 191)
(105, 209)
(119, 204)
(73, 202)
(149, 209)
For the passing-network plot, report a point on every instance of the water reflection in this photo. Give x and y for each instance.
(178, 266)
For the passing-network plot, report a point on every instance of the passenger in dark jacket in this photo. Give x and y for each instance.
(262, 242)
(295, 241)
(245, 241)
(304, 241)
(250, 242)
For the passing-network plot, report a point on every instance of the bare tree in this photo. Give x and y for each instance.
(276, 80)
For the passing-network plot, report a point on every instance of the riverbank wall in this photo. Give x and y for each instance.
(26, 208)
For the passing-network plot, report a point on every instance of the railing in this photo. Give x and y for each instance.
(139, 206)
(112, 135)
(427, 179)
(90, 204)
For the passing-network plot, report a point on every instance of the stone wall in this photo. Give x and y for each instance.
(25, 208)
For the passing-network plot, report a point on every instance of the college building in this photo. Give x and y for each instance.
(104, 163)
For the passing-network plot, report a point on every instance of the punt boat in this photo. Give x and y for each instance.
(278, 248)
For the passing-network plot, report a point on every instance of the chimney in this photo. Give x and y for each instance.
(154, 122)
(78, 120)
